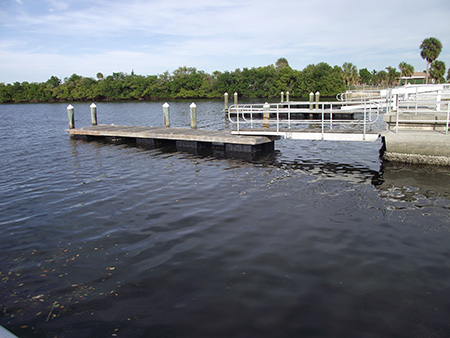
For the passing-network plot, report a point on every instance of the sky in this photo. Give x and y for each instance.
(44, 38)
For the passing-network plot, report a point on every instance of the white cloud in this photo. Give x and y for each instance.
(153, 36)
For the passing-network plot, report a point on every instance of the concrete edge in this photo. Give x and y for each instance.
(417, 159)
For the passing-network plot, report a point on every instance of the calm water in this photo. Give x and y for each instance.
(321, 239)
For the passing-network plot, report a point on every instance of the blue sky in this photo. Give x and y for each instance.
(41, 38)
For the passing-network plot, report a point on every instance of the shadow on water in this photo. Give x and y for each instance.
(409, 182)
(265, 157)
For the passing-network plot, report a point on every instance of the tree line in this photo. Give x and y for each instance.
(190, 83)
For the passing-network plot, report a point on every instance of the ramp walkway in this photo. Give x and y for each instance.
(338, 121)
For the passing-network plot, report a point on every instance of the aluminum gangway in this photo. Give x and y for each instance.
(308, 120)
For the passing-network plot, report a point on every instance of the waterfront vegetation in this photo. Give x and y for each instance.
(190, 83)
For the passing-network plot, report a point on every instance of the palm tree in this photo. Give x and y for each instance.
(392, 75)
(406, 69)
(431, 48)
(437, 70)
(350, 73)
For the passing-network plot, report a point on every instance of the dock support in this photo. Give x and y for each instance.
(193, 107)
(311, 99)
(225, 98)
(266, 115)
(317, 99)
(166, 115)
(93, 114)
(71, 115)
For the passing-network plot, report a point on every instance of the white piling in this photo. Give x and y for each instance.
(193, 107)
(93, 114)
(266, 115)
(225, 97)
(166, 115)
(71, 115)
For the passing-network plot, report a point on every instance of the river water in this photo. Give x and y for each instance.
(319, 239)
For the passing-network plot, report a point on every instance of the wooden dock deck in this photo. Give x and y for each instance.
(183, 139)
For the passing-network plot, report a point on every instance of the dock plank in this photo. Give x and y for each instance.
(177, 134)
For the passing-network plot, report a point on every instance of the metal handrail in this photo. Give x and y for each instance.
(437, 103)
(368, 94)
(253, 114)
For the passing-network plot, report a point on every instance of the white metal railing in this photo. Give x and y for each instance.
(295, 116)
(437, 110)
(358, 95)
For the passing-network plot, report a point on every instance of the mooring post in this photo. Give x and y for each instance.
(93, 114)
(235, 98)
(266, 115)
(225, 98)
(317, 99)
(193, 107)
(287, 96)
(282, 97)
(311, 99)
(70, 113)
(166, 115)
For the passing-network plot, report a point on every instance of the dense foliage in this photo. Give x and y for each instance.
(190, 83)
(184, 82)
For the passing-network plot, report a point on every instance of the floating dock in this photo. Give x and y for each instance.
(184, 139)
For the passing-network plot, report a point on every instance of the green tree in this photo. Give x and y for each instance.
(406, 69)
(365, 76)
(430, 50)
(350, 73)
(322, 78)
(448, 75)
(281, 63)
(392, 75)
(380, 78)
(437, 71)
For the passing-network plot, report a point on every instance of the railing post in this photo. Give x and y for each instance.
(323, 120)
(225, 97)
(364, 123)
(448, 118)
(396, 122)
(438, 100)
(193, 107)
(287, 96)
(93, 114)
(317, 99)
(71, 115)
(278, 118)
(282, 97)
(331, 115)
(311, 99)
(266, 115)
(235, 98)
(166, 115)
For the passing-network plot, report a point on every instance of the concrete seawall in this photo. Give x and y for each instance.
(417, 147)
